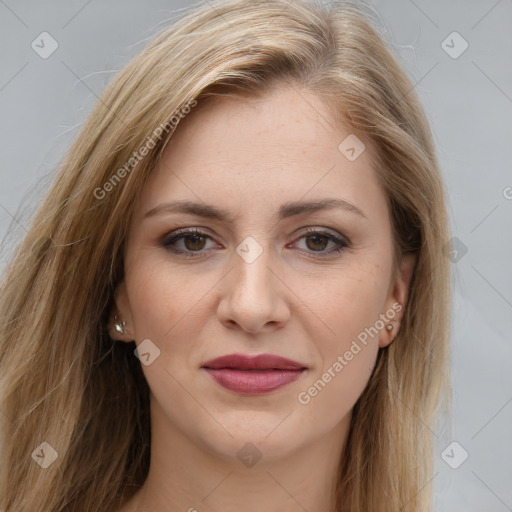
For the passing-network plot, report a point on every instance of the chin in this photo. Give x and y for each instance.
(255, 434)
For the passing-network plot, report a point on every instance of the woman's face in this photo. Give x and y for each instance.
(282, 265)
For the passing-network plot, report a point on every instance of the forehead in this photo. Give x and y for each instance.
(251, 152)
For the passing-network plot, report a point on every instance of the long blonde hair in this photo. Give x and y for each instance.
(62, 379)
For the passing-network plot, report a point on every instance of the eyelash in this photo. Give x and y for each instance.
(168, 241)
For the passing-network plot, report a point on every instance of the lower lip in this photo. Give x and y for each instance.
(253, 382)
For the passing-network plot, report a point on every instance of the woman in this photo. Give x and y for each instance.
(235, 294)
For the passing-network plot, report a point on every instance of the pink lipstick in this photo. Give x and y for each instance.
(253, 375)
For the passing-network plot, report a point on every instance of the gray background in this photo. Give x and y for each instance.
(468, 101)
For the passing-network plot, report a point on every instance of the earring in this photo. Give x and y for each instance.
(389, 327)
(119, 326)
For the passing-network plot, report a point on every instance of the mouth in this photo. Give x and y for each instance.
(253, 375)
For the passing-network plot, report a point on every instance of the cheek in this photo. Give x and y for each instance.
(153, 302)
(169, 307)
(348, 305)
(162, 298)
(346, 353)
(331, 395)
(345, 303)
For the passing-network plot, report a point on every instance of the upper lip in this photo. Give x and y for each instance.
(260, 362)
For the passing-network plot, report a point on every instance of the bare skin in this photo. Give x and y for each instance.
(298, 299)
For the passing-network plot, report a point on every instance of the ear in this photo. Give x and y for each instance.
(124, 314)
(397, 299)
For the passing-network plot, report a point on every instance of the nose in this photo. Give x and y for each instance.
(253, 296)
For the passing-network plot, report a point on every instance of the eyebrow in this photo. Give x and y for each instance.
(286, 210)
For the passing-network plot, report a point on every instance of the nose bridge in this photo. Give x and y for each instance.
(252, 262)
(251, 297)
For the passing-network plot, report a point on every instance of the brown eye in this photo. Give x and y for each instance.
(318, 242)
(194, 242)
(187, 242)
(322, 242)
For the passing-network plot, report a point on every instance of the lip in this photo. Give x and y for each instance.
(260, 362)
(253, 375)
